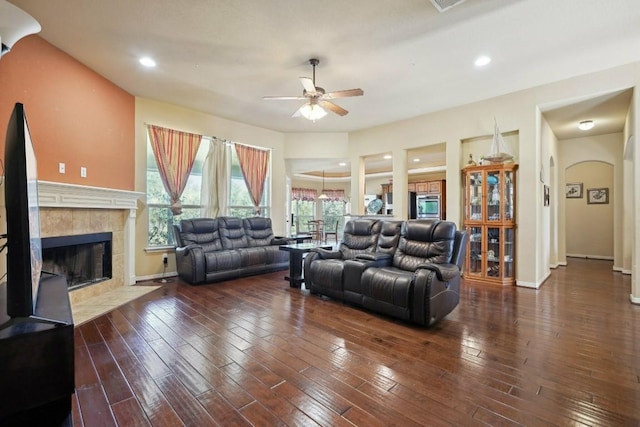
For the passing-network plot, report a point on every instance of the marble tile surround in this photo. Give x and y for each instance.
(67, 209)
(70, 221)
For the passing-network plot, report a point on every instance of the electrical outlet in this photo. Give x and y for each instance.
(165, 258)
(83, 172)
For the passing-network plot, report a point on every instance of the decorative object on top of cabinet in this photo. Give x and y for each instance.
(490, 221)
(471, 162)
(499, 152)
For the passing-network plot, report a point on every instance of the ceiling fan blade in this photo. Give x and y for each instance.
(308, 85)
(278, 98)
(343, 93)
(333, 107)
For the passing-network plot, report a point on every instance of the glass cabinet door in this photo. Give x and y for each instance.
(475, 251)
(493, 252)
(508, 196)
(493, 195)
(474, 197)
(508, 252)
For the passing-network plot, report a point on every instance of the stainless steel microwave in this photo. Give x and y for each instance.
(428, 206)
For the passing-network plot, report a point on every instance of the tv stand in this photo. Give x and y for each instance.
(37, 359)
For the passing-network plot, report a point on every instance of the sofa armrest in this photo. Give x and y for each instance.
(375, 259)
(191, 263)
(279, 240)
(326, 253)
(444, 272)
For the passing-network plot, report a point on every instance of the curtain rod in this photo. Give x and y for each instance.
(226, 141)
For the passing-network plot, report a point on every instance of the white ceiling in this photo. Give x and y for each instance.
(223, 56)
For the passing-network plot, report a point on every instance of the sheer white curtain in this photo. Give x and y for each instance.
(215, 180)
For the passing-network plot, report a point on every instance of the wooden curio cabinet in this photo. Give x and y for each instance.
(490, 221)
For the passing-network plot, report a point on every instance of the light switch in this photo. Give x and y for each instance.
(83, 172)
(61, 167)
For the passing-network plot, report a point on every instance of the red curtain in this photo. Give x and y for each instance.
(334, 195)
(305, 194)
(254, 163)
(175, 153)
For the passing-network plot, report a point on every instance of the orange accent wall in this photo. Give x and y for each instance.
(76, 116)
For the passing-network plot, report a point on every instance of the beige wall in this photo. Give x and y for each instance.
(149, 262)
(588, 155)
(517, 112)
(589, 227)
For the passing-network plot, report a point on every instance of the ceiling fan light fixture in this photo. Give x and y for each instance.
(585, 125)
(312, 111)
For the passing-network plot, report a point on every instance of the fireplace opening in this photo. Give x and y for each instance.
(84, 259)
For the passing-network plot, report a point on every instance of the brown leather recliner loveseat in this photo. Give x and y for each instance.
(409, 270)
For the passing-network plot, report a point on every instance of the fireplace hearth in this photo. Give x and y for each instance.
(84, 259)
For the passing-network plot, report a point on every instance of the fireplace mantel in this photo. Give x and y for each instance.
(61, 195)
(72, 196)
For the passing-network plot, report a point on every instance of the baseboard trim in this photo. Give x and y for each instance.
(167, 275)
(603, 257)
(530, 285)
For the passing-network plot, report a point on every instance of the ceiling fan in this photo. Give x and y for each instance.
(317, 98)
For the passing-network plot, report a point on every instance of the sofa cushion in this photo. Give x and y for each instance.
(221, 261)
(201, 231)
(387, 290)
(232, 233)
(424, 241)
(359, 236)
(258, 231)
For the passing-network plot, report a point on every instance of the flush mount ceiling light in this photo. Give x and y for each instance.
(585, 125)
(482, 61)
(147, 62)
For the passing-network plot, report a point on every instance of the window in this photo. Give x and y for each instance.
(161, 220)
(332, 211)
(303, 212)
(303, 209)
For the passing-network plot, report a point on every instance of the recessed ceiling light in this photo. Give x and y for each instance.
(585, 125)
(481, 61)
(147, 62)
(416, 160)
(342, 164)
(387, 156)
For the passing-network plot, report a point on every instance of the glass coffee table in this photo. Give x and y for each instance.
(296, 253)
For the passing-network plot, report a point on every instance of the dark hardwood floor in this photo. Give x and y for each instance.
(256, 352)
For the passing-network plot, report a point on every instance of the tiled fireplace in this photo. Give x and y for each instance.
(68, 209)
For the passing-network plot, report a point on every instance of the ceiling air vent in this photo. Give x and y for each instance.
(444, 5)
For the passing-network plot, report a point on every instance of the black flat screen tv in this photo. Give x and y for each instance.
(24, 253)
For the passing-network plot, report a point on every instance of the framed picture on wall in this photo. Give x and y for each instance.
(574, 191)
(597, 196)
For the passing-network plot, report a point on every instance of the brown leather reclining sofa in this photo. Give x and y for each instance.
(214, 249)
